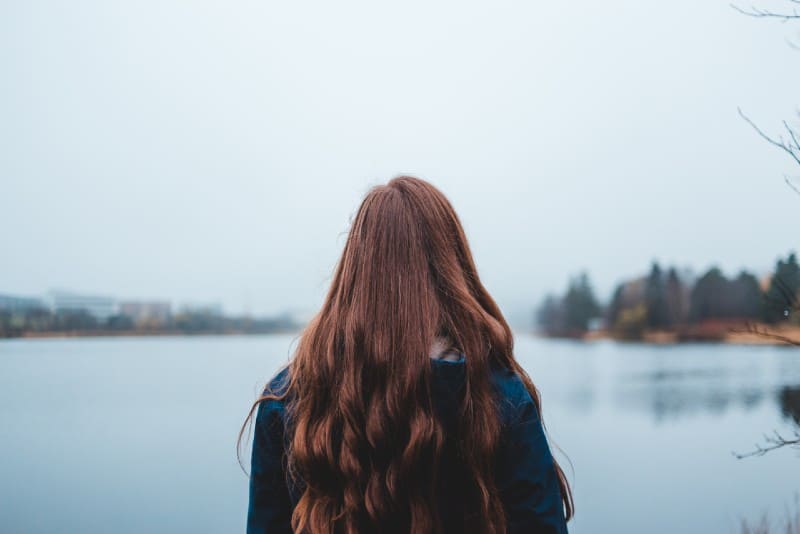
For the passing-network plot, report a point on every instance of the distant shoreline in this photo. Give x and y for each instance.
(717, 332)
(139, 333)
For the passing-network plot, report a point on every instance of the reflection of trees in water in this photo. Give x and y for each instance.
(789, 401)
(671, 400)
(674, 393)
(674, 401)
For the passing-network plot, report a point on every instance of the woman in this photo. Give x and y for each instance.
(403, 408)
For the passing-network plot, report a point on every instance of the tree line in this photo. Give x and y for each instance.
(671, 300)
(41, 321)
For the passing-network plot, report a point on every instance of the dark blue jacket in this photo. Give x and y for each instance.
(525, 475)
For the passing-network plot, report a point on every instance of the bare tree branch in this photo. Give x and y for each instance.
(765, 13)
(771, 443)
(792, 184)
(789, 147)
(790, 15)
(792, 147)
(753, 328)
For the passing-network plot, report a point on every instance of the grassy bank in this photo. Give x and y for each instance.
(711, 331)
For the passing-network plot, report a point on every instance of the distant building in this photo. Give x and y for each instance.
(15, 303)
(100, 307)
(209, 308)
(146, 312)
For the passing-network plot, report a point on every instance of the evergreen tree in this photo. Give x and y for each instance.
(580, 304)
(745, 299)
(716, 297)
(550, 316)
(570, 314)
(655, 299)
(616, 305)
(705, 298)
(781, 296)
(676, 296)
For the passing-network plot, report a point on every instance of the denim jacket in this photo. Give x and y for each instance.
(525, 476)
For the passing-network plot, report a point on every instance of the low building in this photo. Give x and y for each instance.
(99, 307)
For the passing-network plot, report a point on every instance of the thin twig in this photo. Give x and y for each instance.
(752, 328)
(765, 13)
(773, 442)
(791, 184)
(780, 143)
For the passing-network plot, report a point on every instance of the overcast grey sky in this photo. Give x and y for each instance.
(215, 151)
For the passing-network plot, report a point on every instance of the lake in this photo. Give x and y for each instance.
(138, 434)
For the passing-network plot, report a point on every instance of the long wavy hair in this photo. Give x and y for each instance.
(365, 441)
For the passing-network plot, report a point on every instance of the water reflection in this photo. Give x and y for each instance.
(789, 401)
(673, 388)
(616, 390)
(672, 401)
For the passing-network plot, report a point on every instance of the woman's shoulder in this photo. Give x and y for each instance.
(276, 386)
(515, 400)
(278, 383)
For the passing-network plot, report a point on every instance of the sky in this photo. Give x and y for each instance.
(216, 151)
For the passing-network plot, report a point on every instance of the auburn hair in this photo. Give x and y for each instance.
(364, 440)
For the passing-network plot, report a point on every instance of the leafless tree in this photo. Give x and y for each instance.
(789, 143)
(789, 140)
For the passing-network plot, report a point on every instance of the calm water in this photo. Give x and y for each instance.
(137, 435)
